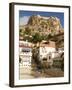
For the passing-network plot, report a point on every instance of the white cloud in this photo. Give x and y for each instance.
(24, 20)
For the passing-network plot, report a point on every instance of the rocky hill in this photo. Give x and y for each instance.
(41, 28)
(45, 25)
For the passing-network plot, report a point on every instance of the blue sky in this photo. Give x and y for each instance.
(25, 15)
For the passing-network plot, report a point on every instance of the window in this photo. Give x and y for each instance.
(49, 57)
(44, 59)
(26, 50)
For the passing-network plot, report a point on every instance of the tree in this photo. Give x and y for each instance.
(43, 37)
(36, 38)
(29, 38)
(48, 37)
(20, 60)
(21, 32)
(62, 64)
(27, 31)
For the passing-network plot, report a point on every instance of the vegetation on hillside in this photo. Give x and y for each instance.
(41, 28)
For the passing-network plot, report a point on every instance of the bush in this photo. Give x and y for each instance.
(57, 63)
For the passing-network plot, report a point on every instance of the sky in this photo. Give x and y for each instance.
(25, 15)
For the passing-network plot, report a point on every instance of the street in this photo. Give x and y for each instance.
(47, 73)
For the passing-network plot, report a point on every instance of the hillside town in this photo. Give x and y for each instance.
(41, 48)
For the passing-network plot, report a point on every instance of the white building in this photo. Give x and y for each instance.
(25, 53)
(47, 50)
(60, 50)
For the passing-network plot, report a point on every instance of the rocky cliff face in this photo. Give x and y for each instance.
(41, 28)
(44, 25)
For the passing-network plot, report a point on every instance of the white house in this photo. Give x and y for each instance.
(47, 50)
(25, 53)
